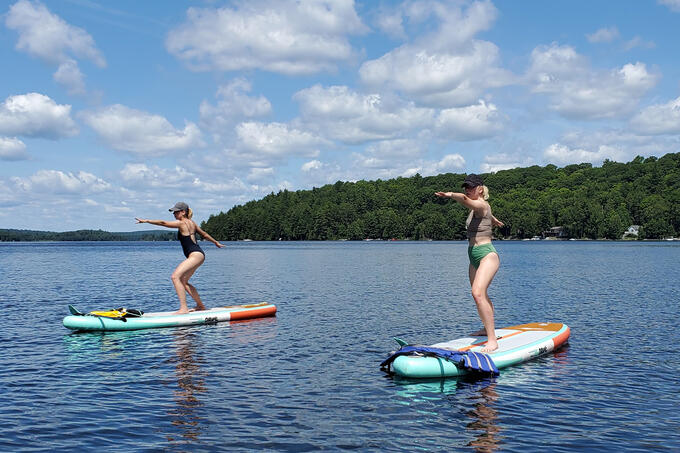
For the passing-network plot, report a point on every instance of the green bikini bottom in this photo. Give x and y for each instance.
(477, 252)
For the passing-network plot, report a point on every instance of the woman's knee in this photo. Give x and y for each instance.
(479, 294)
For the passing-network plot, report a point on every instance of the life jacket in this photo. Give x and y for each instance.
(118, 313)
(471, 361)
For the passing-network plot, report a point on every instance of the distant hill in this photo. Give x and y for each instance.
(586, 201)
(9, 235)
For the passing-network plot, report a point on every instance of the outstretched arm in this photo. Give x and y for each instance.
(205, 235)
(463, 199)
(163, 223)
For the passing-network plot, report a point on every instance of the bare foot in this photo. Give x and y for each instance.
(491, 346)
(479, 333)
(181, 312)
(200, 308)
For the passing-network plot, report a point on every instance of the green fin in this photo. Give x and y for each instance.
(400, 341)
(74, 310)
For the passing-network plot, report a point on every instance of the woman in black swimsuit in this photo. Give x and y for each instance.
(186, 230)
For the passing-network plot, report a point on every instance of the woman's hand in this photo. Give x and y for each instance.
(497, 222)
(444, 194)
(219, 246)
(140, 220)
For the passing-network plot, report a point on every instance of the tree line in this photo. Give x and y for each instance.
(83, 235)
(586, 201)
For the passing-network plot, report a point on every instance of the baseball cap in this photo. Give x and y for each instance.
(179, 206)
(473, 180)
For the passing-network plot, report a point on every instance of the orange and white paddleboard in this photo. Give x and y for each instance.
(516, 344)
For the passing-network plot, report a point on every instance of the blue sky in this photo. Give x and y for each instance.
(111, 110)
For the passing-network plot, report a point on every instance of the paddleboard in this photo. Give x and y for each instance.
(89, 322)
(516, 344)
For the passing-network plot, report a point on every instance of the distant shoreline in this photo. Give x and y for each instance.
(15, 235)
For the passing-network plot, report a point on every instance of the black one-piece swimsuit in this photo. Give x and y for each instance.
(188, 245)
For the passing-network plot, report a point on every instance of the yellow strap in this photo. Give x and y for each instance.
(109, 313)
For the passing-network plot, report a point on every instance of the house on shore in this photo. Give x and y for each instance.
(632, 232)
(556, 232)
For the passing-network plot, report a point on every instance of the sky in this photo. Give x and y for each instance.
(116, 110)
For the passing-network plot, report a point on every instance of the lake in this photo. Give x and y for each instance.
(309, 378)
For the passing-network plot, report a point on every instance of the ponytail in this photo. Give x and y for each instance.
(485, 194)
(190, 213)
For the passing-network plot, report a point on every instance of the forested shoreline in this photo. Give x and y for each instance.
(586, 202)
(8, 235)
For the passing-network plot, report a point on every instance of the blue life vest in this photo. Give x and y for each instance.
(471, 361)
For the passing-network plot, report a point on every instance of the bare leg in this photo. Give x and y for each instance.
(186, 267)
(480, 284)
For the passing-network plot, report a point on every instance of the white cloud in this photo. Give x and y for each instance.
(290, 37)
(233, 105)
(637, 41)
(673, 5)
(12, 149)
(561, 154)
(578, 92)
(447, 164)
(608, 34)
(58, 182)
(260, 174)
(276, 140)
(504, 161)
(353, 118)
(446, 67)
(48, 37)
(141, 175)
(36, 115)
(69, 75)
(469, 123)
(140, 132)
(658, 119)
(311, 166)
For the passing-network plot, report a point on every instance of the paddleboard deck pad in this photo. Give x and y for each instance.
(108, 321)
(516, 344)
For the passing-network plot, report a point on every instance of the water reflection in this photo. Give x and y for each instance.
(479, 396)
(483, 417)
(190, 382)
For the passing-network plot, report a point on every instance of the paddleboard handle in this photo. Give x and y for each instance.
(74, 311)
(400, 341)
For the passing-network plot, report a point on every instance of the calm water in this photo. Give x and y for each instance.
(309, 379)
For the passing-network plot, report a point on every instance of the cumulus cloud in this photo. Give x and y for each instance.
(311, 166)
(12, 149)
(504, 161)
(49, 38)
(140, 132)
(658, 119)
(276, 141)
(233, 105)
(447, 164)
(469, 123)
(291, 37)
(561, 154)
(608, 34)
(36, 115)
(55, 181)
(354, 118)
(447, 67)
(140, 175)
(578, 92)
(68, 74)
(257, 174)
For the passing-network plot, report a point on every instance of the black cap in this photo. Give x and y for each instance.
(473, 180)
